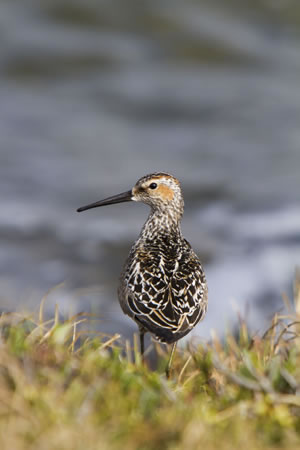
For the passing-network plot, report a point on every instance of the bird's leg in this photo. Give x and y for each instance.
(142, 348)
(168, 368)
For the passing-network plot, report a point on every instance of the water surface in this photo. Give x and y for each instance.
(96, 94)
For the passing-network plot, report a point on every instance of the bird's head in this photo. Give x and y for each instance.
(160, 191)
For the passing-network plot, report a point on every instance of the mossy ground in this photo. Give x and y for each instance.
(62, 390)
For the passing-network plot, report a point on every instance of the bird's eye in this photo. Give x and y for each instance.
(153, 186)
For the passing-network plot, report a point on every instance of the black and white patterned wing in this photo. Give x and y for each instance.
(189, 289)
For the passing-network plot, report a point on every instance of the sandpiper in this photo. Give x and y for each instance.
(162, 286)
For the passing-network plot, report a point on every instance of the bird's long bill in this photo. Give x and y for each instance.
(120, 198)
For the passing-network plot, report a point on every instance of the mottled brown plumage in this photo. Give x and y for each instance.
(162, 286)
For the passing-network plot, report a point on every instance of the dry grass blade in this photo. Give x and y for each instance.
(183, 369)
(284, 332)
(56, 315)
(297, 291)
(110, 341)
(128, 351)
(42, 304)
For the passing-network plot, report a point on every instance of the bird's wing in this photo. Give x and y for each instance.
(189, 289)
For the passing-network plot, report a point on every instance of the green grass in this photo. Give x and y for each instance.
(60, 389)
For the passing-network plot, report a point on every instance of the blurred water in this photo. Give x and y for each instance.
(94, 95)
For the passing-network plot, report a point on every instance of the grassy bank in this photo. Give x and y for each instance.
(62, 390)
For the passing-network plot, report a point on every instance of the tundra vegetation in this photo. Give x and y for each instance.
(62, 388)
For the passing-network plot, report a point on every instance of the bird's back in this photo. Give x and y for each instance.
(163, 287)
